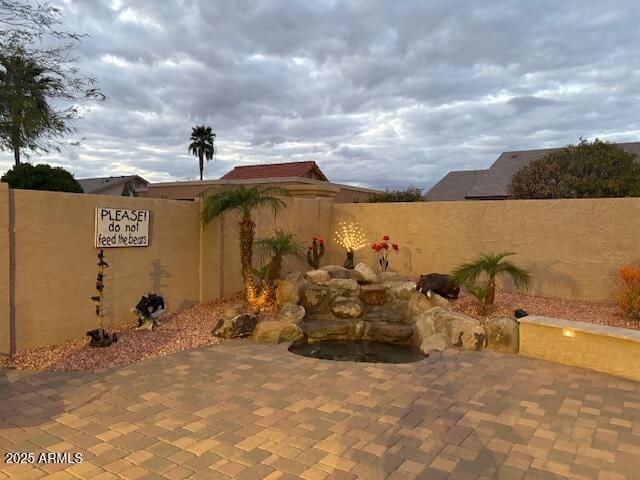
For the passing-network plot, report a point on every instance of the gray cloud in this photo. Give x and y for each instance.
(379, 93)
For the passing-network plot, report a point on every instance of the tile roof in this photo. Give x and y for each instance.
(454, 185)
(275, 170)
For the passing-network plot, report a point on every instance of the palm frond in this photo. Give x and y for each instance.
(520, 277)
(468, 273)
(241, 198)
(281, 244)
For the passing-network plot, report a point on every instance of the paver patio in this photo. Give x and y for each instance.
(247, 411)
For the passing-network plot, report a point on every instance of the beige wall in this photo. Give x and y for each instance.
(572, 247)
(56, 263)
(5, 312)
(304, 217)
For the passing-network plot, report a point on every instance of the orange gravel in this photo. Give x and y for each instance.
(579, 311)
(190, 328)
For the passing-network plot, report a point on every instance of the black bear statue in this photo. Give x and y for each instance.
(439, 283)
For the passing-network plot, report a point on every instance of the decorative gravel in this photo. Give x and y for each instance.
(190, 328)
(579, 311)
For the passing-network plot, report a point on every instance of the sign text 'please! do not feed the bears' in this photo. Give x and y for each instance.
(122, 227)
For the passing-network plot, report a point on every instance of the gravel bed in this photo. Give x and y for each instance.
(190, 328)
(579, 311)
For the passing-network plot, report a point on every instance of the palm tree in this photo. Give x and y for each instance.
(244, 200)
(202, 145)
(274, 249)
(25, 115)
(489, 265)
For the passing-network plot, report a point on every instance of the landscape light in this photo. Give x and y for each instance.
(567, 332)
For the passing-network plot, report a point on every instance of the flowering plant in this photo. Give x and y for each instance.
(315, 252)
(383, 249)
(629, 294)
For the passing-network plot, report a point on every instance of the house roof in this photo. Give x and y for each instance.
(96, 185)
(454, 185)
(275, 170)
(495, 182)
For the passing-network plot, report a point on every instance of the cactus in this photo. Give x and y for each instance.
(315, 252)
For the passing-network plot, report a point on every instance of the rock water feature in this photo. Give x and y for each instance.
(334, 304)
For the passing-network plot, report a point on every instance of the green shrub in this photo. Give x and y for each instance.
(41, 177)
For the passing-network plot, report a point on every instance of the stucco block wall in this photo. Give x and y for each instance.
(56, 263)
(602, 353)
(305, 218)
(5, 312)
(572, 247)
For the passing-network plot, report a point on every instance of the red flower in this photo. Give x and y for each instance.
(321, 241)
(315, 239)
(386, 238)
(385, 245)
(394, 246)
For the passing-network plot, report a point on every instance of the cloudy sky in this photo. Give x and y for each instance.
(379, 93)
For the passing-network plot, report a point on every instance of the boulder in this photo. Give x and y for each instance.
(419, 303)
(318, 276)
(384, 277)
(336, 271)
(231, 310)
(347, 307)
(389, 312)
(462, 331)
(291, 313)
(288, 288)
(326, 329)
(373, 294)
(347, 284)
(503, 335)
(275, 332)
(424, 324)
(400, 290)
(437, 341)
(315, 298)
(388, 332)
(235, 327)
(365, 273)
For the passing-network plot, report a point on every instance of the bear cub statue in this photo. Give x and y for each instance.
(439, 283)
(149, 309)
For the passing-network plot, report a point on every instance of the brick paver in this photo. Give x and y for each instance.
(243, 410)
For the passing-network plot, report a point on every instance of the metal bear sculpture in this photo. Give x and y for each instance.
(100, 338)
(443, 285)
(149, 309)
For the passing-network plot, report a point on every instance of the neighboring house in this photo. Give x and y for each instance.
(302, 179)
(277, 170)
(493, 183)
(124, 186)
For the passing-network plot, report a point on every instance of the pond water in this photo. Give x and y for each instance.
(358, 351)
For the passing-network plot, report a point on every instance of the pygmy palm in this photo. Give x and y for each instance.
(244, 200)
(272, 251)
(202, 145)
(489, 265)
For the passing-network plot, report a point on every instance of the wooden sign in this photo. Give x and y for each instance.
(122, 227)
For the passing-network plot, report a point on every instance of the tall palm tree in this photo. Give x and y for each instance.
(202, 145)
(25, 115)
(244, 200)
(272, 251)
(489, 265)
